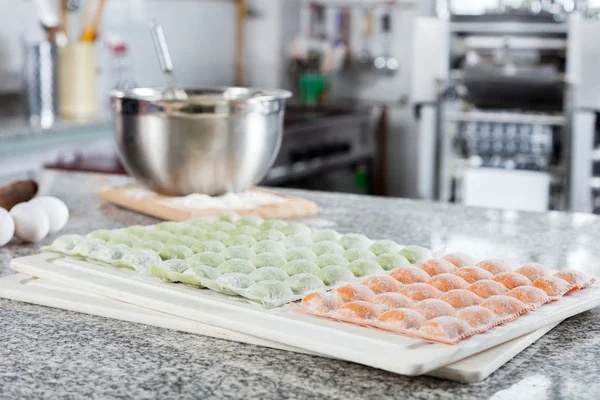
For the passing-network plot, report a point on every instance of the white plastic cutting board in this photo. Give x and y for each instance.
(379, 349)
(43, 292)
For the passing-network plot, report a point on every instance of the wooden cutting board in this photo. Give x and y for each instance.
(158, 206)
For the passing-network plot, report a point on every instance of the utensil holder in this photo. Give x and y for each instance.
(41, 83)
(77, 81)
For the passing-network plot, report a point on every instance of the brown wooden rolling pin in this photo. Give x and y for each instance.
(17, 192)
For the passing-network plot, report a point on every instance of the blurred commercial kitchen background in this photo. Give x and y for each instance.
(483, 102)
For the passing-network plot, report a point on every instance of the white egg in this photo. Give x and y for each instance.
(31, 222)
(55, 209)
(7, 227)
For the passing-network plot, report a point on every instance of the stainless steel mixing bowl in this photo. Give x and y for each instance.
(218, 141)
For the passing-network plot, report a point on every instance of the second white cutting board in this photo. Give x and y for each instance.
(39, 291)
(379, 349)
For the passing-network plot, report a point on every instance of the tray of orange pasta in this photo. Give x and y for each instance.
(446, 300)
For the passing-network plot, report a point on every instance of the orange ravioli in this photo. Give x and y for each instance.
(446, 328)
(359, 310)
(576, 278)
(461, 298)
(459, 259)
(512, 280)
(382, 284)
(504, 306)
(448, 282)
(433, 308)
(533, 271)
(438, 302)
(321, 302)
(389, 301)
(530, 295)
(420, 291)
(410, 275)
(552, 285)
(403, 318)
(487, 288)
(436, 267)
(477, 317)
(473, 274)
(495, 266)
(354, 292)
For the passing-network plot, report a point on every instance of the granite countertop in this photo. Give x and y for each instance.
(51, 353)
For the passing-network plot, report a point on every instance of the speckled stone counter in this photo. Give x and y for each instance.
(50, 353)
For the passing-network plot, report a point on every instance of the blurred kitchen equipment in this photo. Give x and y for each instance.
(308, 70)
(242, 13)
(90, 29)
(17, 192)
(221, 140)
(41, 83)
(519, 11)
(335, 51)
(313, 56)
(46, 14)
(327, 60)
(120, 66)
(318, 24)
(77, 81)
(166, 64)
(342, 142)
(312, 87)
(511, 90)
(514, 71)
(64, 17)
(535, 87)
(87, 15)
(73, 5)
(386, 62)
(342, 43)
(364, 57)
(66, 8)
(49, 21)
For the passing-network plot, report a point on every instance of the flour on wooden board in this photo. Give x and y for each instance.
(229, 201)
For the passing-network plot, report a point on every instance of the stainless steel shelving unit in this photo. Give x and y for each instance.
(443, 96)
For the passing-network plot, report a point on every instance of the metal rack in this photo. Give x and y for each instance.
(551, 7)
(473, 27)
(449, 105)
(506, 117)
